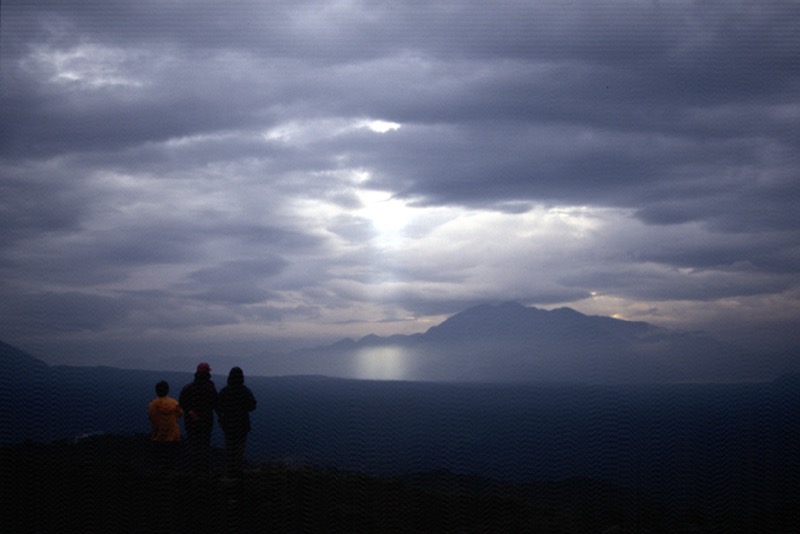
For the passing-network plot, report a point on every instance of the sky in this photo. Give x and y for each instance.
(186, 178)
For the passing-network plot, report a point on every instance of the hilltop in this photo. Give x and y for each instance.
(105, 484)
(726, 453)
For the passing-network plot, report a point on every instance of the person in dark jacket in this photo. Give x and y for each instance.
(198, 400)
(234, 405)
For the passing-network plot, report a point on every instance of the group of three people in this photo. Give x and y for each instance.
(198, 402)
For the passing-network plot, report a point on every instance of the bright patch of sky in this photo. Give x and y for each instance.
(85, 65)
(389, 216)
(380, 126)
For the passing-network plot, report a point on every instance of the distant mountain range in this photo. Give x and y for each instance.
(510, 342)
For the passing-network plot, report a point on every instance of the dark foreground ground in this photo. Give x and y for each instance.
(108, 484)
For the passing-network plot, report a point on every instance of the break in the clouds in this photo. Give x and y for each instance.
(182, 173)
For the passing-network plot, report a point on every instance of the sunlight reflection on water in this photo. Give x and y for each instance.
(382, 363)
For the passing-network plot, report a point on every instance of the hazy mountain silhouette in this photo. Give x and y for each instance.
(14, 360)
(509, 342)
(512, 342)
(23, 391)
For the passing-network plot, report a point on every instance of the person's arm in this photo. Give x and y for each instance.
(151, 414)
(251, 404)
(219, 404)
(182, 399)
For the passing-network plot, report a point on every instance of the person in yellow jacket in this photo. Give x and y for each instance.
(164, 413)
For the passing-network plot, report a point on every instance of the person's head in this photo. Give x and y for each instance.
(236, 377)
(203, 372)
(162, 388)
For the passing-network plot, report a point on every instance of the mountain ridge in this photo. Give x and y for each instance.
(506, 342)
(13, 359)
(513, 342)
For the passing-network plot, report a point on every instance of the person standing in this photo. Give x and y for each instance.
(234, 405)
(198, 400)
(164, 413)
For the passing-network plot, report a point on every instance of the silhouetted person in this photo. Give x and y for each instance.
(164, 413)
(198, 400)
(234, 405)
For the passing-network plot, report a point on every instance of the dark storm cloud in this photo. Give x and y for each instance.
(654, 285)
(773, 253)
(218, 164)
(235, 281)
(32, 203)
(62, 312)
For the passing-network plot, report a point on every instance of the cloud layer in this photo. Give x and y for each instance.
(191, 174)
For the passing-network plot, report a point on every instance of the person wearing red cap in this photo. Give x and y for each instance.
(198, 400)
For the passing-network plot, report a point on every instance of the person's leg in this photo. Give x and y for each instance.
(190, 450)
(172, 452)
(157, 454)
(234, 453)
(205, 452)
(197, 452)
(230, 445)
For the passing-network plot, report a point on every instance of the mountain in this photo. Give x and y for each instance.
(512, 342)
(501, 343)
(23, 390)
(14, 360)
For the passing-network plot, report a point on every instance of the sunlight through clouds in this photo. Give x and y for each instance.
(380, 126)
(313, 130)
(388, 215)
(86, 65)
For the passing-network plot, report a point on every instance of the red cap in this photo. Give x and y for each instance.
(203, 368)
